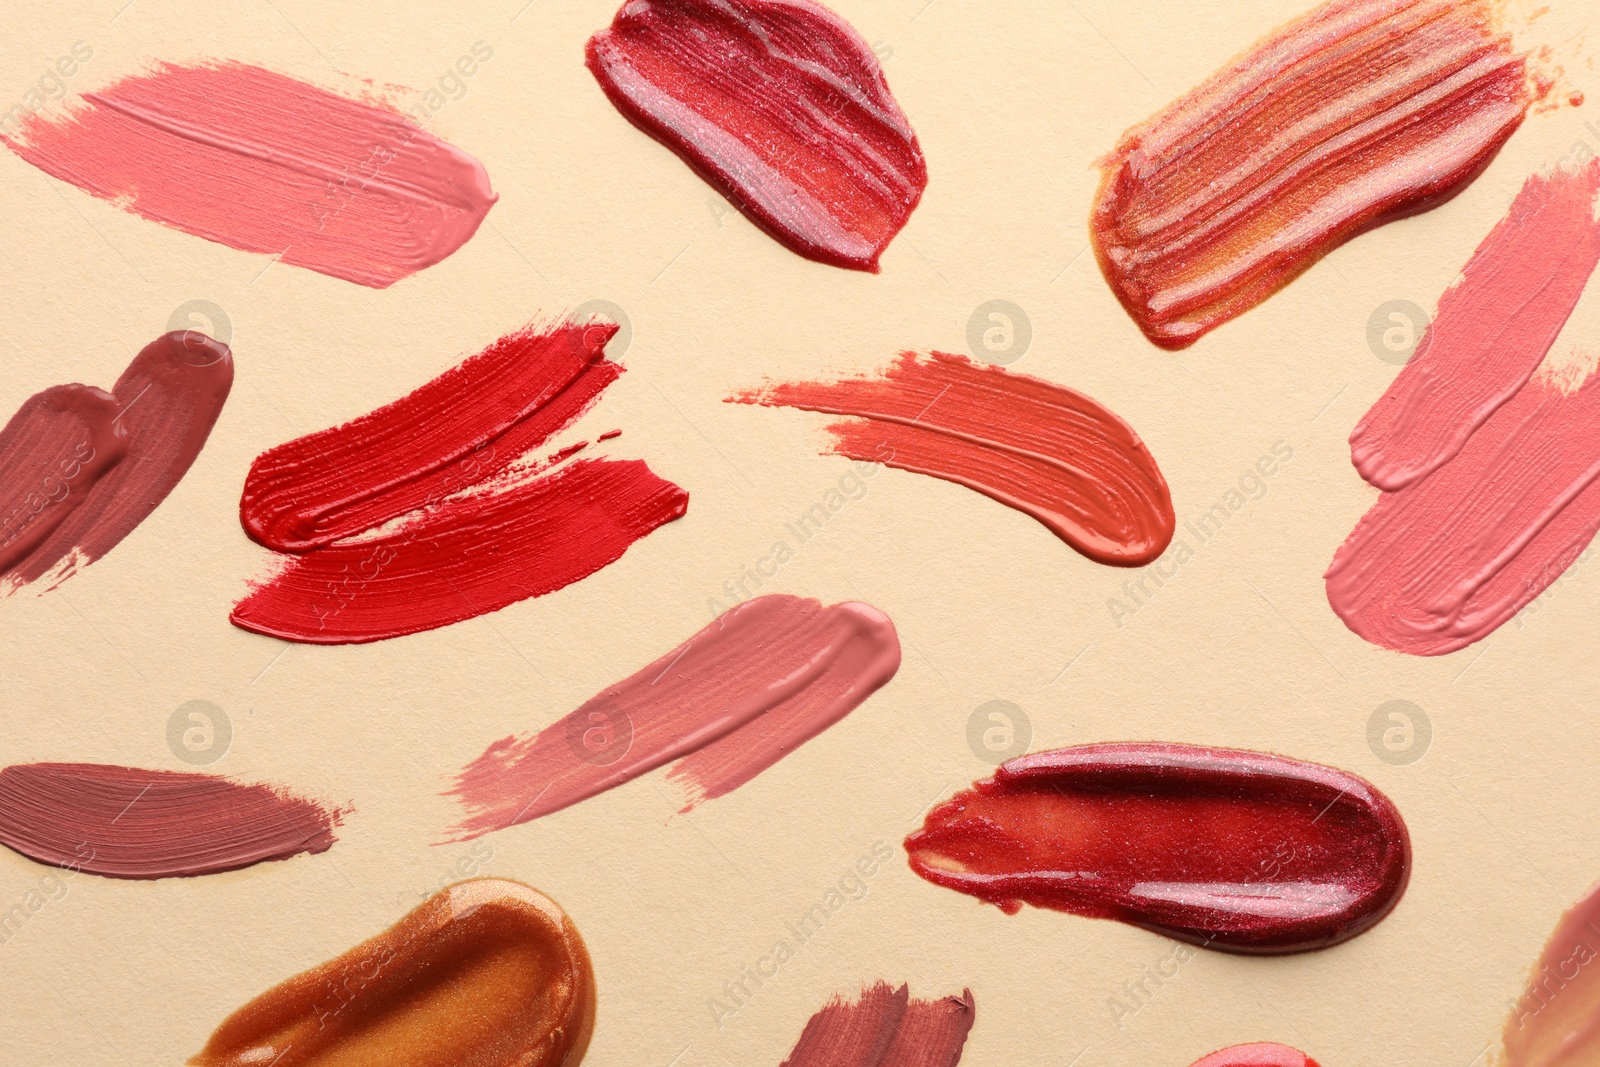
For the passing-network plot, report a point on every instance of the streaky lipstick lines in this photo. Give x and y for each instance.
(1043, 449)
(82, 468)
(744, 692)
(124, 822)
(264, 163)
(430, 510)
(1358, 113)
(779, 105)
(885, 1027)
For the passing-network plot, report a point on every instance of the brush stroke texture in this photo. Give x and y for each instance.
(264, 163)
(1358, 113)
(1242, 852)
(123, 822)
(486, 973)
(166, 403)
(755, 684)
(886, 1028)
(1491, 331)
(779, 105)
(1043, 449)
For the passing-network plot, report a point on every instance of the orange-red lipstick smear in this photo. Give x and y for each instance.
(487, 973)
(1361, 112)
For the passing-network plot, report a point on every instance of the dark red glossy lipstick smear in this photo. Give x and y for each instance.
(1360, 112)
(781, 106)
(124, 822)
(1239, 851)
(1048, 451)
(429, 511)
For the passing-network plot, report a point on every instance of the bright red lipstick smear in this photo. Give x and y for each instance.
(1239, 851)
(1358, 113)
(781, 106)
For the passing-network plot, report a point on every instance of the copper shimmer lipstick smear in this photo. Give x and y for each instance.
(83, 468)
(264, 163)
(1358, 113)
(1556, 1021)
(886, 1028)
(1045, 450)
(427, 512)
(1239, 851)
(758, 682)
(1491, 331)
(489, 973)
(124, 822)
(1257, 1054)
(781, 106)
(1445, 561)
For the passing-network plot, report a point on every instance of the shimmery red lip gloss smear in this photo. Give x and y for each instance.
(1239, 851)
(1361, 112)
(781, 106)
(426, 511)
(1041, 448)
(124, 822)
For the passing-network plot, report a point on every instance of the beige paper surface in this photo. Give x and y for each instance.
(1012, 102)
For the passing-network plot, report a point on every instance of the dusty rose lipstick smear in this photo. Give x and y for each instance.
(885, 1027)
(781, 106)
(1238, 851)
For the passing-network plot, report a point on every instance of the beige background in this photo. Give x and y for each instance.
(1013, 103)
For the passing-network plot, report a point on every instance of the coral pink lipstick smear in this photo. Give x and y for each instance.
(886, 1028)
(1358, 113)
(1043, 449)
(781, 106)
(264, 163)
(426, 511)
(758, 682)
(123, 822)
(81, 468)
(1556, 1021)
(1492, 330)
(1448, 556)
(1239, 851)
(1257, 1054)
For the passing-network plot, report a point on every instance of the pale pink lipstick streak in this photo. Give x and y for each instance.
(265, 163)
(758, 682)
(1492, 454)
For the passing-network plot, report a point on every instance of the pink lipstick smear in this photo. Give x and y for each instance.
(1047, 451)
(758, 682)
(1492, 330)
(778, 104)
(886, 1028)
(1257, 1054)
(264, 163)
(1556, 1021)
(81, 468)
(1511, 499)
(428, 511)
(123, 822)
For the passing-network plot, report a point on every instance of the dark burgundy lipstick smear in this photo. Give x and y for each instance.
(1239, 851)
(781, 106)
